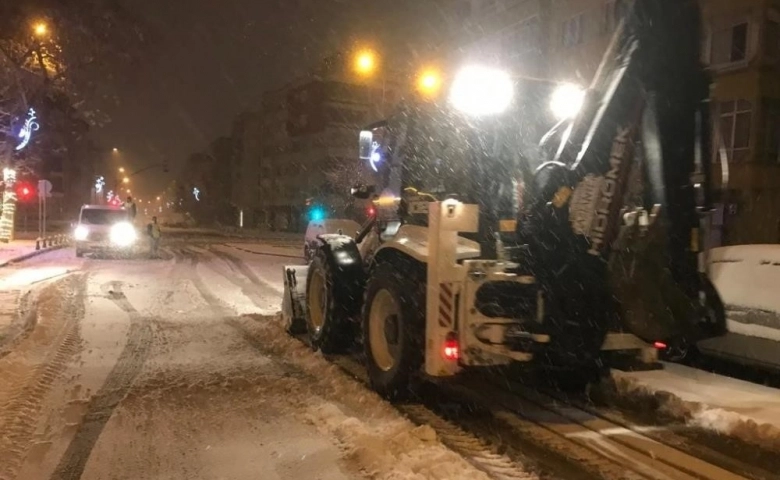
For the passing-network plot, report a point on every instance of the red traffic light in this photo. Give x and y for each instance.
(24, 191)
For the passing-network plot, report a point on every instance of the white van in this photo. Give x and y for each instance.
(104, 228)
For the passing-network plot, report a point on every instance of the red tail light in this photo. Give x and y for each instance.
(660, 345)
(451, 350)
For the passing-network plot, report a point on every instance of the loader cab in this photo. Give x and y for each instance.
(429, 153)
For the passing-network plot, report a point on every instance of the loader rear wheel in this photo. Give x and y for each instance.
(330, 331)
(394, 328)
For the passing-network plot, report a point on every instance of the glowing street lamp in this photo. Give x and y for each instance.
(429, 83)
(126, 180)
(365, 62)
(121, 169)
(40, 29)
(115, 150)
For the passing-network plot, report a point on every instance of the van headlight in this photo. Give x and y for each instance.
(123, 234)
(81, 233)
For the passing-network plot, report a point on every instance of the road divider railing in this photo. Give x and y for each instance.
(50, 241)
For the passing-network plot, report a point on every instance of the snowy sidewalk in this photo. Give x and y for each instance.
(713, 402)
(12, 285)
(18, 250)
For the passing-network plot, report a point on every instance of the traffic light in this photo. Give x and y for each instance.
(24, 191)
(316, 214)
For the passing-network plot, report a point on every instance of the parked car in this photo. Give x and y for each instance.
(320, 227)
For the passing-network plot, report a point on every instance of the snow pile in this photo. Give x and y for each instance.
(747, 276)
(371, 432)
(392, 449)
(748, 412)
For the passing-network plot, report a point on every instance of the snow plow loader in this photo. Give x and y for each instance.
(583, 252)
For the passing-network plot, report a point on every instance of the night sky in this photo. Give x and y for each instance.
(212, 59)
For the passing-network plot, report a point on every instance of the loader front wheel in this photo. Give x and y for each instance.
(394, 328)
(328, 325)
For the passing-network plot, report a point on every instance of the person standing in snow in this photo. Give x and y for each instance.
(129, 205)
(153, 230)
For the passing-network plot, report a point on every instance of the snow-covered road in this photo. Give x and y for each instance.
(173, 369)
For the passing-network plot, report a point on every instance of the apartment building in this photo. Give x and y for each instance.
(300, 147)
(741, 47)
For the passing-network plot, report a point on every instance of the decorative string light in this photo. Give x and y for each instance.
(9, 206)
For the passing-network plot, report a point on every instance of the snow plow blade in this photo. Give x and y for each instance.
(294, 299)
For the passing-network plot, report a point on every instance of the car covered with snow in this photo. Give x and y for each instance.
(324, 227)
(104, 228)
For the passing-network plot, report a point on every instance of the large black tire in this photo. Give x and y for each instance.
(397, 289)
(712, 323)
(328, 324)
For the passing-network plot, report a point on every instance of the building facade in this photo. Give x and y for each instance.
(300, 148)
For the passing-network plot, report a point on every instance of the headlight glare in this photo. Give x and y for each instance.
(566, 101)
(123, 234)
(81, 233)
(481, 91)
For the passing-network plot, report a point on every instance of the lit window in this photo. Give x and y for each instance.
(735, 127)
(572, 30)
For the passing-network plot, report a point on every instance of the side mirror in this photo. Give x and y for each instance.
(362, 191)
(366, 144)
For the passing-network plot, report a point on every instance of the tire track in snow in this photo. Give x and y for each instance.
(115, 388)
(469, 447)
(20, 414)
(237, 273)
(218, 307)
(242, 268)
(464, 444)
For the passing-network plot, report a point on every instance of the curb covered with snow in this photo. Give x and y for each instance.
(34, 253)
(726, 406)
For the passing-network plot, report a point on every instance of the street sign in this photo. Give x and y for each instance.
(44, 188)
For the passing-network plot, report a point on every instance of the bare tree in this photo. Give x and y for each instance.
(51, 55)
